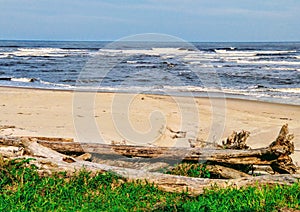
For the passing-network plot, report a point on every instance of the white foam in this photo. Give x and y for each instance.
(286, 90)
(220, 51)
(22, 79)
(153, 51)
(280, 68)
(131, 61)
(169, 51)
(237, 58)
(41, 52)
(199, 55)
(194, 62)
(192, 89)
(268, 62)
(56, 84)
(137, 89)
(251, 53)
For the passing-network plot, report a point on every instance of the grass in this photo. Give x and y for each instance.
(22, 189)
(190, 170)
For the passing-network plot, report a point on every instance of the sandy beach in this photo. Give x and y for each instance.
(142, 119)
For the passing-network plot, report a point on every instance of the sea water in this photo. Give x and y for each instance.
(260, 71)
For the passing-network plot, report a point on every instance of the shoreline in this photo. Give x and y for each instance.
(52, 113)
(239, 97)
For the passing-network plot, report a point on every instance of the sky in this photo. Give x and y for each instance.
(191, 20)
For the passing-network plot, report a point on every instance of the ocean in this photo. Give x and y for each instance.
(261, 71)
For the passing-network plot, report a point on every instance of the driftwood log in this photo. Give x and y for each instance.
(224, 172)
(234, 155)
(52, 160)
(253, 156)
(52, 155)
(236, 140)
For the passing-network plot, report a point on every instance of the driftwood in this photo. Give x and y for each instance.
(85, 156)
(283, 147)
(49, 139)
(236, 140)
(276, 155)
(17, 140)
(254, 156)
(11, 151)
(197, 143)
(49, 158)
(225, 172)
(52, 160)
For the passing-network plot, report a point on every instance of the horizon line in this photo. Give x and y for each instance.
(219, 41)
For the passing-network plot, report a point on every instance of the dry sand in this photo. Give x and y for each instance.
(142, 119)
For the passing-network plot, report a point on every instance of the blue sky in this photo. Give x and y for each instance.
(192, 20)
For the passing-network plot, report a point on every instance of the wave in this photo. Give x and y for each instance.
(268, 62)
(255, 91)
(131, 61)
(22, 79)
(4, 55)
(36, 82)
(224, 50)
(187, 49)
(254, 52)
(151, 52)
(280, 69)
(79, 49)
(227, 48)
(286, 90)
(41, 52)
(52, 84)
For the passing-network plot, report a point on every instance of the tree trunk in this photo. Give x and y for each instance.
(253, 156)
(166, 182)
(276, 155)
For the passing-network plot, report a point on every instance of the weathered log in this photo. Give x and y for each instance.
(197, 143)
(17, 140)
(253, 156)
(283, 147)
(50, 139)
(225, 172)
(85, 156)
(134, 163)
(11, 151)
(171, 183)
(275, 155)
(169, 153)
(284, 165)
(11, 141)
(236, 140)
(207, 170)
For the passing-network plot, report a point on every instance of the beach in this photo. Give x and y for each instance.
(130, 118)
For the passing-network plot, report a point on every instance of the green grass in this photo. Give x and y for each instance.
(190, 170)
(22, 189)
